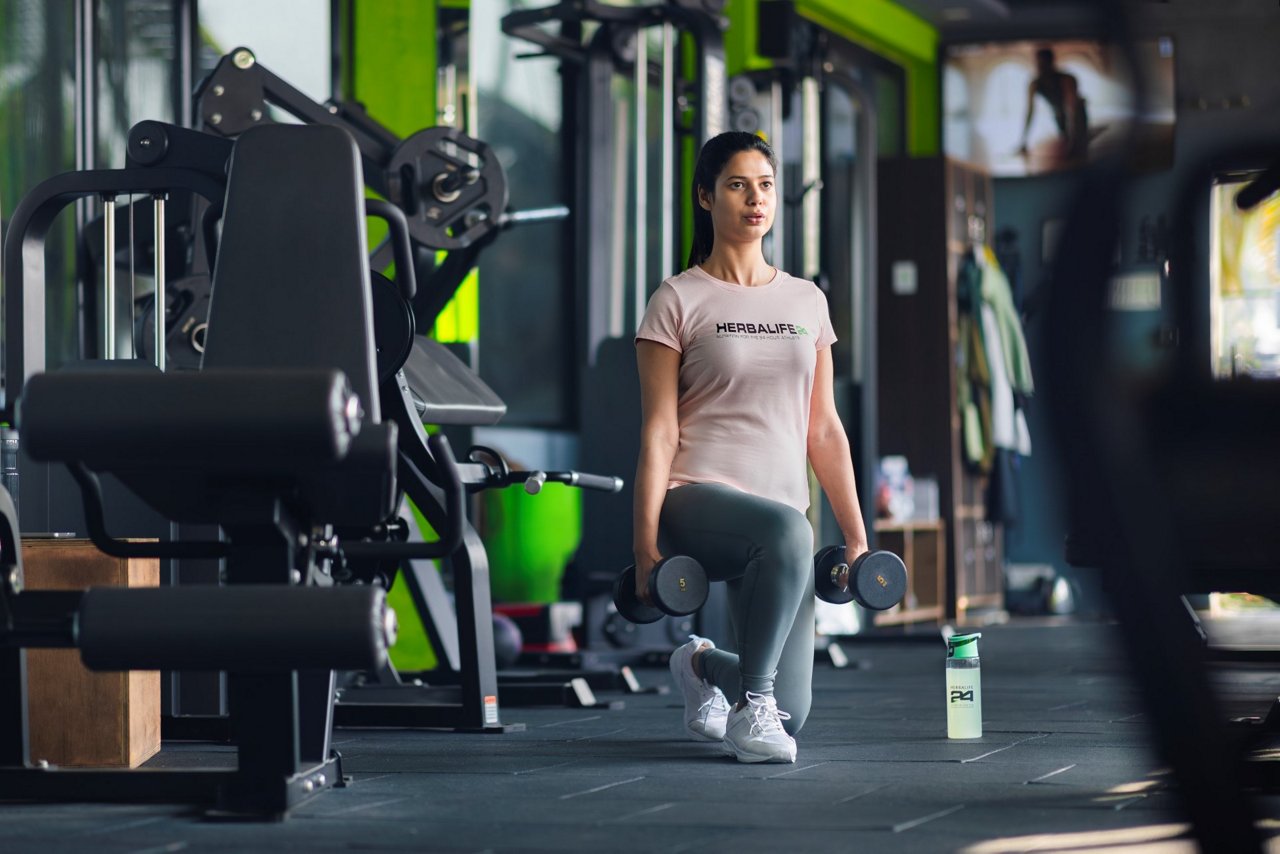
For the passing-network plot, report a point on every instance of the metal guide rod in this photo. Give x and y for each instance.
(109, 276)
(776, 135)
(617, 303)
(159, 311)
(861, 297)
(642, 171)
(713, 98)
(447, 96)
(668, 150)
(811, 174)
(133, 276)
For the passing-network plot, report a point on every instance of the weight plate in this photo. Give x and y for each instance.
(186, 321)
(880, 580)
(680, 584)
(741, 90)
(450, 186)
(823, 563)
(624, 599)
(619, 631)
(745, 120)
(678, 629)
(393, 326)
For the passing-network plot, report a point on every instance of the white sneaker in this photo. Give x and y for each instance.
(705, 708)
(754, 733)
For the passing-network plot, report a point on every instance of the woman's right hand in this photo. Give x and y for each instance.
(645, 562)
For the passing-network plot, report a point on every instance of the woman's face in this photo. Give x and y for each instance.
(743, 206)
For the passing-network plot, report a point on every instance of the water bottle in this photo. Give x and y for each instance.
(964, 687)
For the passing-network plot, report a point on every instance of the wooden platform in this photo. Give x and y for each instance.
(76, 717)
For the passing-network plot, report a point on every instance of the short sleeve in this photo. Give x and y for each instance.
(663, 319)
(826, 332)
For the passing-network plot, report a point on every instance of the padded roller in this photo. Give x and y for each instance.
(281, 420)
(253, 628)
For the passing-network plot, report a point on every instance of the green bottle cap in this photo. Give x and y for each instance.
(963, 646)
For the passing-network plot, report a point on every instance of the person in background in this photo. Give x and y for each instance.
(1062, 92)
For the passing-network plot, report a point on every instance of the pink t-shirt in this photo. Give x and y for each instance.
(746, 375)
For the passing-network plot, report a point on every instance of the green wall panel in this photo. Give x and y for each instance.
(393, 73)
(393, 66)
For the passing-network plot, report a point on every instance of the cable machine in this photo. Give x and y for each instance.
(634, 109)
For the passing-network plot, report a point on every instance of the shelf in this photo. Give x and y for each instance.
(922, 546)
(896, 617)
(882, 525)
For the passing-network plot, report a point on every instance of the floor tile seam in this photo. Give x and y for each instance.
(670, 823)
(703, 759)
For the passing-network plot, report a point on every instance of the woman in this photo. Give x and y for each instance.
(736, 389)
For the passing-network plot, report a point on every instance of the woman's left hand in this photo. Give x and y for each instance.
(853, 550)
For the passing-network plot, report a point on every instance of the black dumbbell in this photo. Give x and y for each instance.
(876, 580)
(677, 586)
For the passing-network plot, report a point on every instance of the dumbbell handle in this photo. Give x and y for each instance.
(840, 575)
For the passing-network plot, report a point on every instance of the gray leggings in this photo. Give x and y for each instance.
(763, 551)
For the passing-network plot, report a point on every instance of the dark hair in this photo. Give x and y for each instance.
(1044, 54)
(716, 152)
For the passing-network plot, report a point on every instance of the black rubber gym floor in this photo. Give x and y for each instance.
(1065, 753)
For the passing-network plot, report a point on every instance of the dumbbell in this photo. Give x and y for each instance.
(876, 580)
(677, 586)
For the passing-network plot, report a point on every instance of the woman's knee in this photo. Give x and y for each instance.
(786, 537)
(789, 540)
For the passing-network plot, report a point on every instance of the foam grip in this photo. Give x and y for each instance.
(255, 628)
(231, 419)
(604, 483)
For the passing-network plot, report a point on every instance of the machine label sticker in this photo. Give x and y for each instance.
(491, 710)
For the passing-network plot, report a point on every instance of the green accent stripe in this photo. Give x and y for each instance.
(902, 38)
(741, 38)
(887, 25)
(878, 25)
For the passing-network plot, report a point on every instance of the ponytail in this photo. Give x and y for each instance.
(703, 232)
